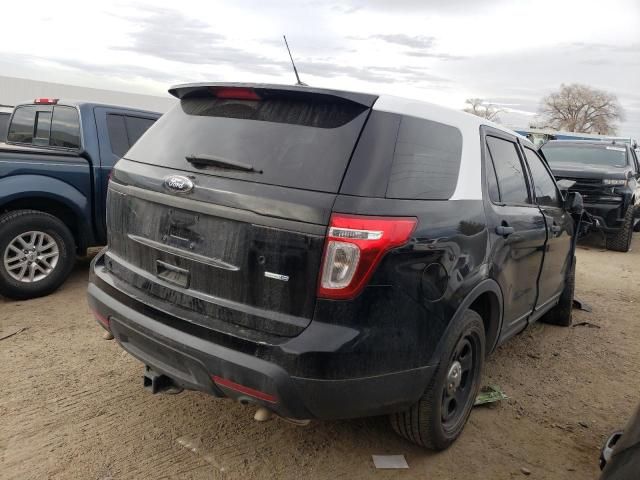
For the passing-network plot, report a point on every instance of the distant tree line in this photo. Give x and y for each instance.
(573, 108)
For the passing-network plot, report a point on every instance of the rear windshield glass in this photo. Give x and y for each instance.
(65, 128)
(304, 141)
(426, 160)
(21, 127)
(46, 126)
(595, 155)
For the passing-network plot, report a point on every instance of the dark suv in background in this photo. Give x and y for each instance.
(607, 174)
(330, 254)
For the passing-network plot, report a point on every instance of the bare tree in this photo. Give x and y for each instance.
(579, 108)
(477, 106)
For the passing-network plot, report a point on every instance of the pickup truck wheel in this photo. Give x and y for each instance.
(621, 240)
(438, 418)
(562, 313)
(37, 253)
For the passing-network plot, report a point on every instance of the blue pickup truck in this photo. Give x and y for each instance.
(54, 169)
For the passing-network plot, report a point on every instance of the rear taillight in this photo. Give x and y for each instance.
(354, 246)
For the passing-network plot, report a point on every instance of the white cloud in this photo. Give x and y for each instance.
(440, 51)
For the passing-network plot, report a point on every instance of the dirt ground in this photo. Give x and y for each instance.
(72, 405)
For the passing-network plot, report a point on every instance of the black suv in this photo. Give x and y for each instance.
(329, 254)
(607, 174)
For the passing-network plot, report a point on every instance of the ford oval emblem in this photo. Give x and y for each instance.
(178, 184)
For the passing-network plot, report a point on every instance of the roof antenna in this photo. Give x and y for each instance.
(295, 70)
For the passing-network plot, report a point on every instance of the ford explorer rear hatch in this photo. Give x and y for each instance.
(218, 213)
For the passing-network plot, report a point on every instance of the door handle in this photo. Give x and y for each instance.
(556, 228)
(504, 230)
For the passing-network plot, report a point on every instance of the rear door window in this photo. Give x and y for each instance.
(512, 185)
(136, 127)
(293, 139)
(125, 130)
(543, 183)
(117, 130)
(426, 160)
(492, 181)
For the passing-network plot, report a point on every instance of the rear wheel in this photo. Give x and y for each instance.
(438, 418)
(621, 240)
(562, 313)
(37, 253)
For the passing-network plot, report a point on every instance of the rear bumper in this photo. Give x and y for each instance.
(192, 361)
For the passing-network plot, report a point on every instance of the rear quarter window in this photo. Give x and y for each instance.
(426, 160)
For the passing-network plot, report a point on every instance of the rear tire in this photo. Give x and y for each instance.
(621, 240)
(37, 253)
(562, 313)
(437, 419)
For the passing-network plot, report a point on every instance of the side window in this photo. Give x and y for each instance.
(21, 127)
(125, 130)
(4, 125)
(636, 163)
(509, 171)
(492, 181)
(117, 134)
(426, 160)
(65, 127)
(544, 186)
(136, 126)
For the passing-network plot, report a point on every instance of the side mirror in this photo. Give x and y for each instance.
(564, 185)
(573, 203)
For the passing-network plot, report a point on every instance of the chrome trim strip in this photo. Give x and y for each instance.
(195, 257)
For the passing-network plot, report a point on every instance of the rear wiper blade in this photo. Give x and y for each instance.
(211, 161)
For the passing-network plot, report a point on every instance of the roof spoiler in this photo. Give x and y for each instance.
(266, 89)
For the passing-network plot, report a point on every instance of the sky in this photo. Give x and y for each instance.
(510, 53)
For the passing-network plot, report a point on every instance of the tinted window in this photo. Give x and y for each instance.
(125, 130)
(634, 155)
(136, 126)
(4, 125)
(303, 142)
(492, 181)
(43, 128)
(21, 127)
(117, 130)
(544, 186)
(310, 110)
(598, 155)
(65, 127)
(509, 171)
(426, 160)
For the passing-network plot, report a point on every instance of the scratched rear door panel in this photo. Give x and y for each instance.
(239, 248)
